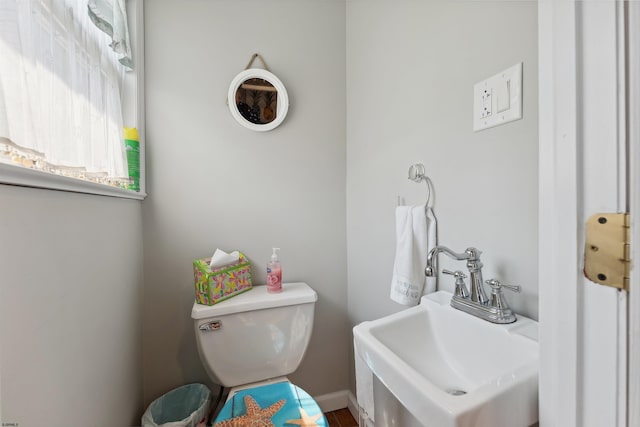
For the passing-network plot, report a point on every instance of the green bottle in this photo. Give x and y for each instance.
(132, 145)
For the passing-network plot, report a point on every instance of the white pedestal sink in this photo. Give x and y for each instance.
(451, 369)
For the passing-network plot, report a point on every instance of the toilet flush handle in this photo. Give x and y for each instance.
(211, 326)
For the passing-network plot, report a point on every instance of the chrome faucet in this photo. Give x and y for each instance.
(472, 256)
(476, 302)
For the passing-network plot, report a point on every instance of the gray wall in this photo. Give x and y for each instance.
(410, 71)
(213, 183)
(411, 67)
(70, 292)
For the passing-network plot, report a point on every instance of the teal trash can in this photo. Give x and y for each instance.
(186, 406)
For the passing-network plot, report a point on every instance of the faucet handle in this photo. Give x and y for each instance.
(497, 297)
(456, 274)
(461, 289)
(496, 286)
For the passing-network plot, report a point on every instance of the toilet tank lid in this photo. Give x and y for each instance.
(257, 299)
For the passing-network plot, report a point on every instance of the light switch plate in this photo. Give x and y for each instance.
(490, 108)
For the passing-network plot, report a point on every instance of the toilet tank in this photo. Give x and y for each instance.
(256, 335)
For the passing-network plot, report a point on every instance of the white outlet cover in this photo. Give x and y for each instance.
(507, 83)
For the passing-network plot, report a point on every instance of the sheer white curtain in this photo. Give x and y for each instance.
(111, 17)
(60, 84)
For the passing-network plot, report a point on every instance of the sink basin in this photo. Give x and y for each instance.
(451, 369)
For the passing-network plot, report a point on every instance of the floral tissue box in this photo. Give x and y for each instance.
(219, 284)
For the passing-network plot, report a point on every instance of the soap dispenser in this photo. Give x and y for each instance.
(274, 273)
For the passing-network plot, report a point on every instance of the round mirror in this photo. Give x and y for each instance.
(258, 100)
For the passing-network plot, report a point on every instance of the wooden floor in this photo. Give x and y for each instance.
(341, 418)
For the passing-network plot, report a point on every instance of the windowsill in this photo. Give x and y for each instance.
(15, 175)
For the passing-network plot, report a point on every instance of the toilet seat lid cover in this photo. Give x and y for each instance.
(282, 404)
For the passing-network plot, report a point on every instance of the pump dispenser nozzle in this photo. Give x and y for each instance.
(274, 255)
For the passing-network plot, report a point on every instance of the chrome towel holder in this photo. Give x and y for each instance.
(416, 174)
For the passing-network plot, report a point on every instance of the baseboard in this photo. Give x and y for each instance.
(352, 405)
(338, 400)
(333, 401)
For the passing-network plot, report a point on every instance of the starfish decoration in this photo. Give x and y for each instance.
(306, 420)
(255, 416)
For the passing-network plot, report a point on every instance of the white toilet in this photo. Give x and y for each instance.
(250, 343)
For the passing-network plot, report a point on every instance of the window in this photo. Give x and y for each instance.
(61, 98)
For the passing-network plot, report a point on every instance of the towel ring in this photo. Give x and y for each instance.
(416, 174)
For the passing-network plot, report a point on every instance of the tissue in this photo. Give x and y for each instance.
(220, 258)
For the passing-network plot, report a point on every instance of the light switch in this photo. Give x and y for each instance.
(498, 99)
(504, 96)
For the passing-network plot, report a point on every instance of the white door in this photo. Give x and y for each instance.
(583, 171)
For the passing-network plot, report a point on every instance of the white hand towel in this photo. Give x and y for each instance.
(415, 236)
(364, 386)
(220, 258)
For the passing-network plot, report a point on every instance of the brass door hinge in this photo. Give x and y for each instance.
(606, 254)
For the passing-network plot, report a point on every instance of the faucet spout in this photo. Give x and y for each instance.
(432, 269)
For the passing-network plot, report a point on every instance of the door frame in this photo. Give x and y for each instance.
(582, 171)
(633, 73)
